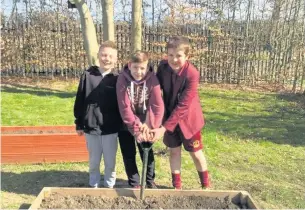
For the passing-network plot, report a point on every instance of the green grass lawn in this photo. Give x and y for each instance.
(254, 141)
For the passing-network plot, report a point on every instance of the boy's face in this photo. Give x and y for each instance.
(138, 70)
(107, 58)
(176, 58)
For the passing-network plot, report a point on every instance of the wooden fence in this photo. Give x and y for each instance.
(229, 52)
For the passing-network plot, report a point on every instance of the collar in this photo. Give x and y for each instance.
(104, 73)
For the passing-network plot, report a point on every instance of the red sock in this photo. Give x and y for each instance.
(204, 178)
(176, 180)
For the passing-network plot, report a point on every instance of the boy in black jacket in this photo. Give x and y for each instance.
(97, 115)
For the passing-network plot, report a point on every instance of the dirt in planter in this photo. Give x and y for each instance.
(23, 131)
(58, 201)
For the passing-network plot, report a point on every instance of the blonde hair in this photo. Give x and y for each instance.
(109, 44)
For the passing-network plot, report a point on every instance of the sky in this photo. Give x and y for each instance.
(7, 5)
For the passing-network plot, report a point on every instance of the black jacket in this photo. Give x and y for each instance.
(96, 108)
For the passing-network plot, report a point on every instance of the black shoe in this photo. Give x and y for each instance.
(152, 185)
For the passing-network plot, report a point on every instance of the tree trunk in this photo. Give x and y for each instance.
(108, 24)
(136, 28)
(153, 12)
(88, 31)
(292, 45)
(277, 6)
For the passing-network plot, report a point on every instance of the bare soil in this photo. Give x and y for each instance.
(23, 131)
(58, 201)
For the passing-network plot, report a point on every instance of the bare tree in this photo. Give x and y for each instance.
(184, 12)
(136, 28)
(153, 12)
(126, 15)
(88, 31)
(108, 24)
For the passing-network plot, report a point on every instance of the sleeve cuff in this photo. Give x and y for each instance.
(168, 127)
(79, 127)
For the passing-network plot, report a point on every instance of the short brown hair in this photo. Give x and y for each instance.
(179, 42)
(109, 44)
(139, 56)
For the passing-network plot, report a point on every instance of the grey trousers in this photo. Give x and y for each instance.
(98, 146)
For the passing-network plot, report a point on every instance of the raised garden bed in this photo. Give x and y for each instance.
(122, 198)
(38, 144)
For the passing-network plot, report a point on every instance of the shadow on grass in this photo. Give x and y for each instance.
(299, 99)
(31, 183)
(284, 123)
(25, 206)
(38, 91)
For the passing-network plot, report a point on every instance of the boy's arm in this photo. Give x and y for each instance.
(159, 74)
(79, 103)
(182, 107)
(129, 118)
(156, 104)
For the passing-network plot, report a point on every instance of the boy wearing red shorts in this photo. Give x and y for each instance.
(183, 119)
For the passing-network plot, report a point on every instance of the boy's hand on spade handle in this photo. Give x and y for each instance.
(158, 133)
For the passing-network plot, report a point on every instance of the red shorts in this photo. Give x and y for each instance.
(176, 139)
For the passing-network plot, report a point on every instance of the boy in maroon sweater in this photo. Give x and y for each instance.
(142, 108)
(184, 120)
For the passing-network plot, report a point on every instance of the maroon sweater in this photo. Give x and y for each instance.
(139, 101)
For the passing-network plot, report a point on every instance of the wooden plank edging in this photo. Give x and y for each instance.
(129, 192)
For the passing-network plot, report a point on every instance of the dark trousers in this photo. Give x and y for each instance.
(128, 149)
